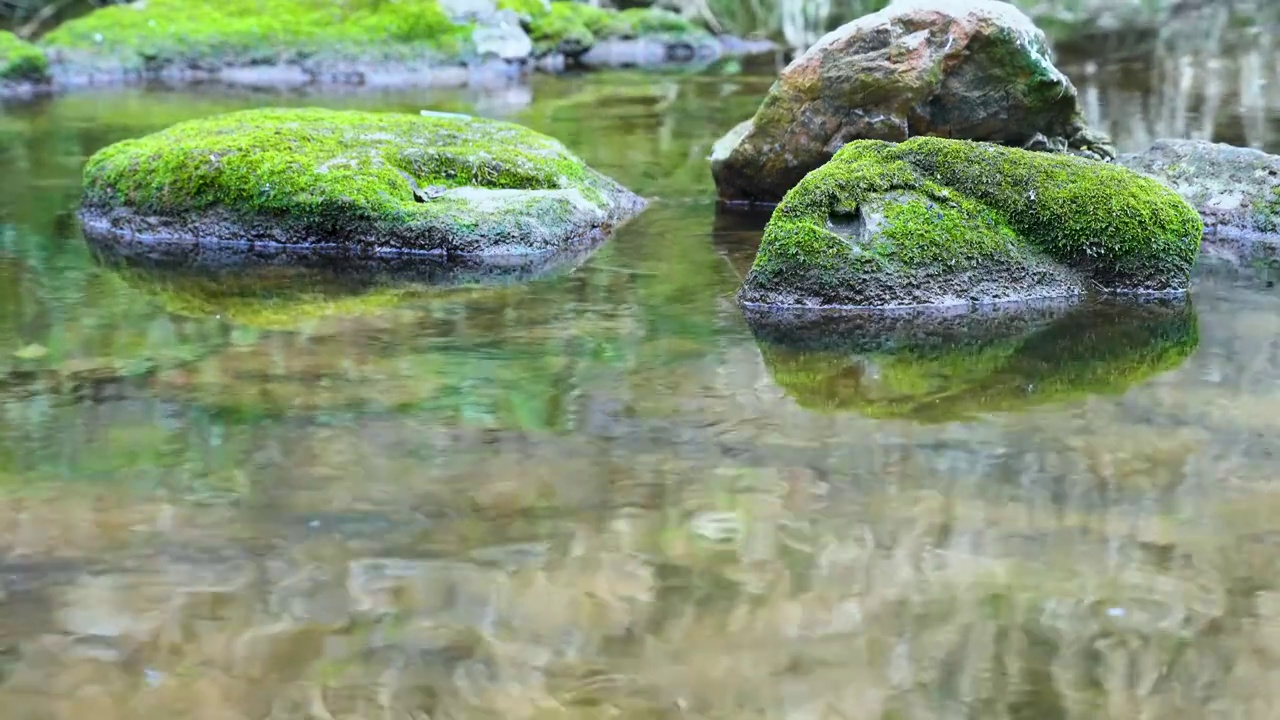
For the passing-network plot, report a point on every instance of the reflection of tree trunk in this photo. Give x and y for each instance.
(803, 21)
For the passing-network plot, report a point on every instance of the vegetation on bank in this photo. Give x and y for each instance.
(20, 61)
(206, 34)
(968, 206)
(573, 27)
(258, 31)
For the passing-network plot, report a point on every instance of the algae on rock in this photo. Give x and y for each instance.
(448, 185)
(954, 222)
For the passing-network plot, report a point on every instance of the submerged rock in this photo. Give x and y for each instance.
(977, 70)
(932, 366)
(953, 222)
(1236, 191)
(459, 188)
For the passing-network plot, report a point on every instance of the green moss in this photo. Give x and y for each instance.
(971, 203)
(1088, 351)
(653, 21)
(526, 9)
(342, 174)
(1267, 213)
(563, 28)
(20, 61)
(257, 31)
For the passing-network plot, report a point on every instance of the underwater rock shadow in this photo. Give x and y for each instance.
(933, 366)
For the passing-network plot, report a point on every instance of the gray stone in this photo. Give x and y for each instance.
(1235, 190)
(973, 70)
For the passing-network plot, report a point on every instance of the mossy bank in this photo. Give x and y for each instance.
(366, 42)
(454, 187)
(23, 66)
(931, 221)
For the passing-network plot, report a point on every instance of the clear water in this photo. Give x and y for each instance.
(290, 494)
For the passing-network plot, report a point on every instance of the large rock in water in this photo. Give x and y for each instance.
(451, 186)
(1236, 191)
(943, 222)
(966, 69)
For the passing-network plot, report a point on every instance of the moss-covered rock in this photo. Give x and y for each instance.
(953, 222)
(975, 70)
(20, 61)
(930, 367)
(450, 186)
(1235, 190)
(313, 37)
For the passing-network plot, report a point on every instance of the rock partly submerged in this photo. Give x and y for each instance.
(978, 70)
(459, 188)
(936, 222)
(1235, 190)
(940, 367)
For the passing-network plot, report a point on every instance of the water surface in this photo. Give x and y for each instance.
(600, 493)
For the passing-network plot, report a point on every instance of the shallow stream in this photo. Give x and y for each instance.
(295, 493)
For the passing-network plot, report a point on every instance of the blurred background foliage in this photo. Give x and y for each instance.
(796, 22)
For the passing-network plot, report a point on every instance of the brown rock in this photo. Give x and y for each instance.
(967, 69)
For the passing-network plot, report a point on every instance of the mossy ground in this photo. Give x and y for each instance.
(20, 61)
(202, 32)
(971, 205)
(348, 175)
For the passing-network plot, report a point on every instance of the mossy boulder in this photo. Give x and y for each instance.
(954, 222)
(21, 62)
(937, 367)
(453, 187)
(1235, 190)
(975, 70)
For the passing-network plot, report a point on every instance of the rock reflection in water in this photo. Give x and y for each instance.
(280, 288)
(937, 367)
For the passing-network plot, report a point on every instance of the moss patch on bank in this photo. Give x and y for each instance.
(20, 61)
(908, 212)
(434, 182)
(231, 32)
(573, 27)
